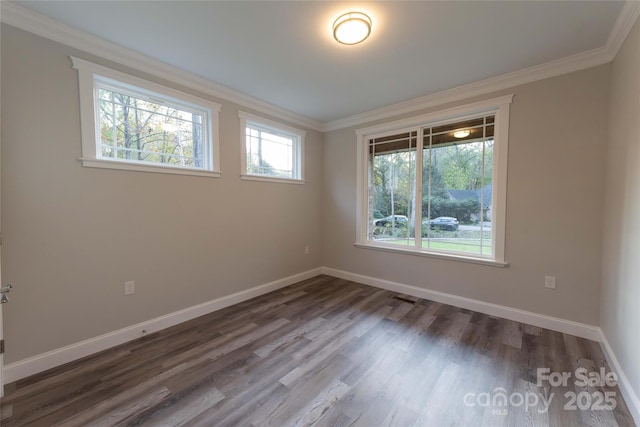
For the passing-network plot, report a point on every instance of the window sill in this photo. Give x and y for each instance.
(448, 257)
(114, 164)
(271, 179)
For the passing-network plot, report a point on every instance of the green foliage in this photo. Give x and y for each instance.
(400, 230)
(461, 209)
(462, 165)
(260, 166)
(452, 167)
(393, 179)
(439, 234)
(455, 176)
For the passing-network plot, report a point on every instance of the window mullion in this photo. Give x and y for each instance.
(429, 190)
(115, 129)
(482, 179)
(370, 190)
(418, 196)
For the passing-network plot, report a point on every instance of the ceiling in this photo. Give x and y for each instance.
(283, 52)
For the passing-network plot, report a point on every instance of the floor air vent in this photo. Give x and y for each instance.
(405, 299)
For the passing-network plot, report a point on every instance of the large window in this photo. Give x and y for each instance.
(271, 151)
(129, 123)
(437, 186)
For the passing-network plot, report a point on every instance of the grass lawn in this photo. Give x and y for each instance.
(458, 245)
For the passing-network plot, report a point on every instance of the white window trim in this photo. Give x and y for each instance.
(500, 106)
(87, 74)
(276, 126)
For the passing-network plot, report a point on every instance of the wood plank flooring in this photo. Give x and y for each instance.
(324, 352)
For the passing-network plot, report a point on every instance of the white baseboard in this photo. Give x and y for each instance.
(57, 357)
(548, 322)
(629, 394)
(51, 359)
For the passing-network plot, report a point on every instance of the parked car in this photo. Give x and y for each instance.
(444, 223)
(399, 219)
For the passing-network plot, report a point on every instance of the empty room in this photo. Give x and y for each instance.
(310, 213)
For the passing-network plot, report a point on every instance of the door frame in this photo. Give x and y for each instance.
(1, 325)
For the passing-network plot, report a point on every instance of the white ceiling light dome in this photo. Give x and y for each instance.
(462, 133)
(352, 28)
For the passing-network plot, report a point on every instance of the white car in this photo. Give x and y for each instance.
(398, 219)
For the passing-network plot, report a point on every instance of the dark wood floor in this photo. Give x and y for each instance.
(323, 352)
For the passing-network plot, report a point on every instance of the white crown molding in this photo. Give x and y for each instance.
(628, 16)
(30, 21)
(591, 58)
(555, 68)
(27, 20)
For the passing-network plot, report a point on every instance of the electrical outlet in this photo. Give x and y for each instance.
(550, 282)
(306, 250)
(129, 288)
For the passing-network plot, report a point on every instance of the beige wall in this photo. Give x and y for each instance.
(620, 308)
(73, 235)
(554, 206)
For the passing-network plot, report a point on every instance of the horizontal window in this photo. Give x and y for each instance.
(129, 123)
(270, 150)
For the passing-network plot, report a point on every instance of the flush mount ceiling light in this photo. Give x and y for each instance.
(462, 133)
(352, 28)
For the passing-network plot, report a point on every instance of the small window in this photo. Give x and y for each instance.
(129, 123)
(270, 150)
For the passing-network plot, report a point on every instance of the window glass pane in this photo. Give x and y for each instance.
(455, 187)
(392, 190)
(133, 128)
(487, 199)
(270, 153)
(105, 94)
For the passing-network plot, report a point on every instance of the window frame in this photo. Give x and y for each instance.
(297, 135)
(500, 107)
(91, 76)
